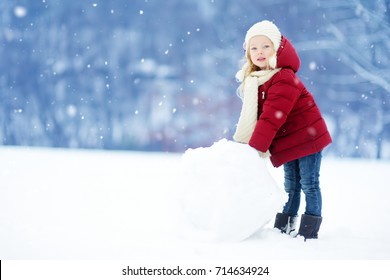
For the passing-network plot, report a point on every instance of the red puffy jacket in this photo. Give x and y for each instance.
(289, 123)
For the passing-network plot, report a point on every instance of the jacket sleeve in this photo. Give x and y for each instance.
(282, 96)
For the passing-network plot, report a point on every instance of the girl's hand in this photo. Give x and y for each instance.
(267, 154)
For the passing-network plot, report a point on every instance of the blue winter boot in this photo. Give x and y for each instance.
(310, 225)
(285, 223)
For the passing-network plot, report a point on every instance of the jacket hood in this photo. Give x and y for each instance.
(287, 56)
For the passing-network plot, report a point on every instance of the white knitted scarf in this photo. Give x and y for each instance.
(249, 95)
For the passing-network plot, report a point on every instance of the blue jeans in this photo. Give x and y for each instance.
(303, 174)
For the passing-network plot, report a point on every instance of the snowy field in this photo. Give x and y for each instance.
(106, 205)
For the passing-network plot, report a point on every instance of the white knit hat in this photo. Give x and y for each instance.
(265, 28)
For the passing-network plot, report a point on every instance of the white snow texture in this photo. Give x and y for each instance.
(226, 192)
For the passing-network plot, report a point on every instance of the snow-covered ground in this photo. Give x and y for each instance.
(101, 205)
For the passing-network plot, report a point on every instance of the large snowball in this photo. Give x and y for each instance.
(227, 193)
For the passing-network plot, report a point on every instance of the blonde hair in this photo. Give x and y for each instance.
(247, 67)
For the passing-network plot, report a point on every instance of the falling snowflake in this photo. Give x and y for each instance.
(312, 65)
(20, 11)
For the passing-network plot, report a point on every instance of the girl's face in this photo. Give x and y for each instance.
(261, 49)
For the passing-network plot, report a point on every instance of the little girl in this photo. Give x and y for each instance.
(280, 119)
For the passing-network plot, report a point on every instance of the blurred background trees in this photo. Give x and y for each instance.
(159, 75)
